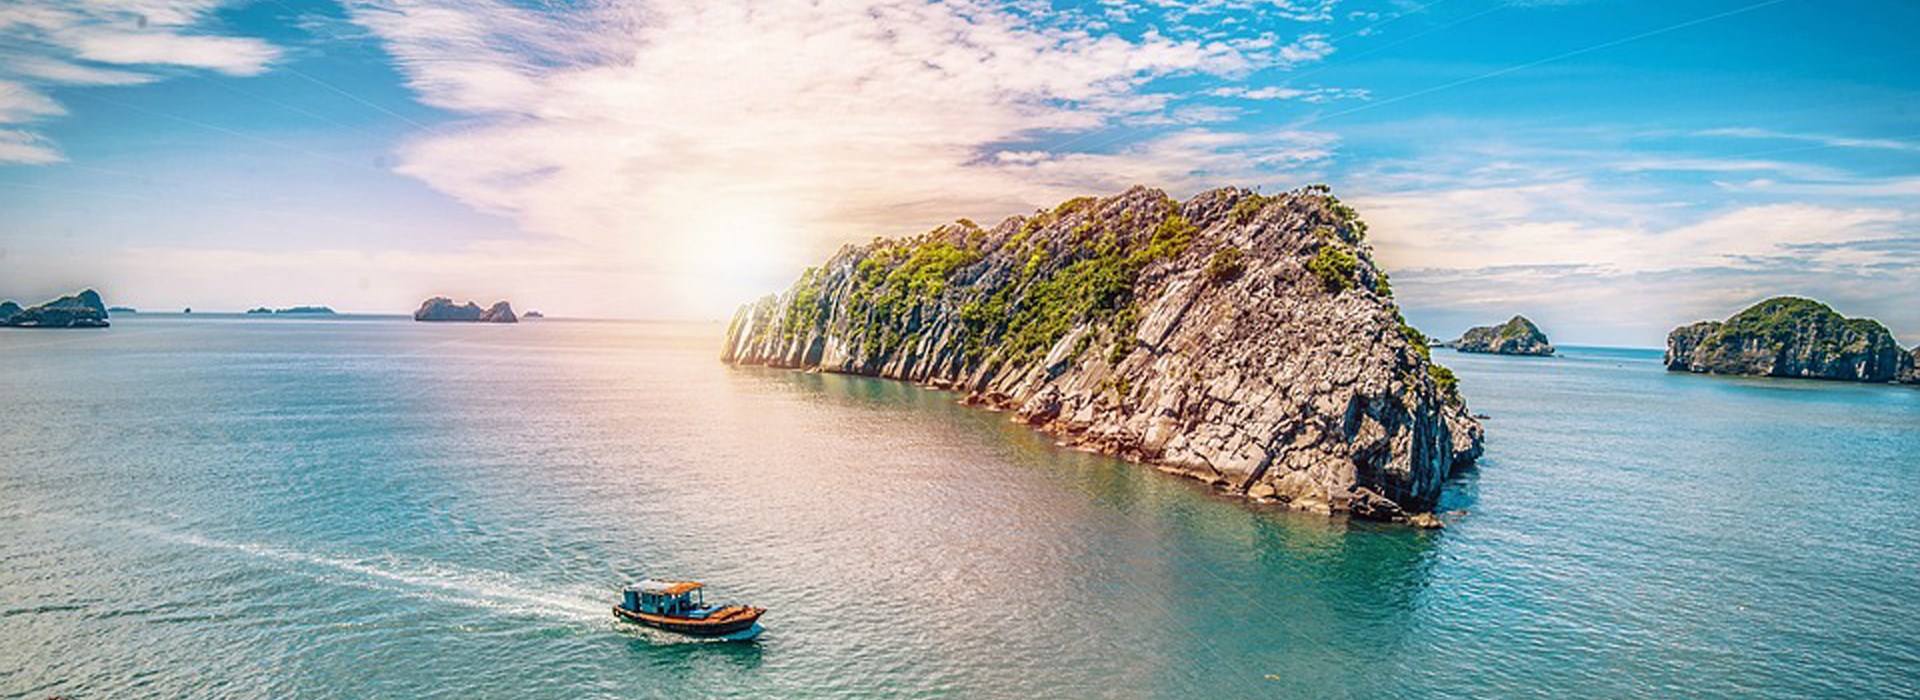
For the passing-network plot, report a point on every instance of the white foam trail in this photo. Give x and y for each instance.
(470, 587)
(476, 588)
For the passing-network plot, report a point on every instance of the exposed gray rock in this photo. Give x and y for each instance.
(500, 312)
(1244, 340)
(443, 309)
(1789, 337)
(1518, 336)
(83, 310)
(1911, 374)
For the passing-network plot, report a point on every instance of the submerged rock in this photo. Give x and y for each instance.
(83, 310)
(1789, 337)
(1518, 336)
(443, 309)
(1248, 341)
(1425, 521)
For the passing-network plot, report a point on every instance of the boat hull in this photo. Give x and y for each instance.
(723, 622)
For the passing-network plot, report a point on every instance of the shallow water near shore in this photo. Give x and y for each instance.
(377, 508)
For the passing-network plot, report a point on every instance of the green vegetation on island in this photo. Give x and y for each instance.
(1790, 337)
(1518, 336)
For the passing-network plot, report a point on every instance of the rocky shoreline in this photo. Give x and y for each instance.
(1245, 340)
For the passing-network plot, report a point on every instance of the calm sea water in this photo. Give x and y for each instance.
(375, 508)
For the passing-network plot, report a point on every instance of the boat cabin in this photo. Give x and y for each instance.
(670, 598)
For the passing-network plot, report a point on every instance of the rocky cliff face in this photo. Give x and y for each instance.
(1912, 373)
(1518, 336)
(1244, 340)
(500, 312)
(83, 310)
(443, 309)
(1789, 337)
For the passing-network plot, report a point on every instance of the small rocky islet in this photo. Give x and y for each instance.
(1242, 339)
(1793, 337)
(82, 310)
(1518, 336)
(292, 311)
(442, 309)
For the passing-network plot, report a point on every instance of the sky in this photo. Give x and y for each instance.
(1609, 168)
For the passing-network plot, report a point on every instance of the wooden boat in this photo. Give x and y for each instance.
(681, 606)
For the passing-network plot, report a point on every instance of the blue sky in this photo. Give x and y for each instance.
(1609, 168)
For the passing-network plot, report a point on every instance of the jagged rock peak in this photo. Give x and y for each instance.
(1789, 337)
(1247, 340)
(443, 309)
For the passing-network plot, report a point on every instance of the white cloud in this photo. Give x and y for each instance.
(1823, 140)
(230, 55)
(1611, 265)
(1296, 10)
(1275, 92)
(743, 140)
(1574, 223)
(19, 103)
(26, 148)
(54, 43)
(1309, 48)
(58, 71)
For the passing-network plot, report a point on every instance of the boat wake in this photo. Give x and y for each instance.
(491, 590)
(496, 591)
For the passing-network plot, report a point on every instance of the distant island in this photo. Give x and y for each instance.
(122, 310)
(443, 309)
(1792, 337)
(83, 310)
(1245, 340)
(292, 310)
(1518, 336)
(533, 314)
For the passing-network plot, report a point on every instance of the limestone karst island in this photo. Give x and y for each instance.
(443, 309)
(1793, 337)
(82, 310)
(1518, 336)
(1245, 340)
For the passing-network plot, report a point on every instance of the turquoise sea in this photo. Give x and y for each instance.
(370, 507)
